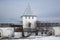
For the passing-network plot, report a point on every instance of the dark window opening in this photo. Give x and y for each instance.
(29, 24)
(41, 32)
(45, 32)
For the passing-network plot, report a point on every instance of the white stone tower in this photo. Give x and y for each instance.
(28, 18)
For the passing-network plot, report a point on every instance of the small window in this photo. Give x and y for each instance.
(41, 32)
(29, 24)
(45, 32)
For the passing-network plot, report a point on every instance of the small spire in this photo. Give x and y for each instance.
(28, 10)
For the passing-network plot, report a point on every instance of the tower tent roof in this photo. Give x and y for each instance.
(28, 11)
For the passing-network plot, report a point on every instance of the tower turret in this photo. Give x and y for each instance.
(28, 18)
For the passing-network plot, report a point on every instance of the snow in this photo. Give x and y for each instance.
(48, 38)
(39, 38)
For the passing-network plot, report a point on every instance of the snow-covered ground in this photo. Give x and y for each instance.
(38, 38)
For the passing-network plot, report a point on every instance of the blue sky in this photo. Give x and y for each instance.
(46, 10)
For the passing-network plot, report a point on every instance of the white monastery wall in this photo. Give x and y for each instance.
(17, 34)
(6, 31)
(57, 30)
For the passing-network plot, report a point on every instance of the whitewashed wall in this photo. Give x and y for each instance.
(57, 30)
(17, 34)
(6, 31)
(25, 33)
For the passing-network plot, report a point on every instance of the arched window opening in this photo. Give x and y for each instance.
(29, 24)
